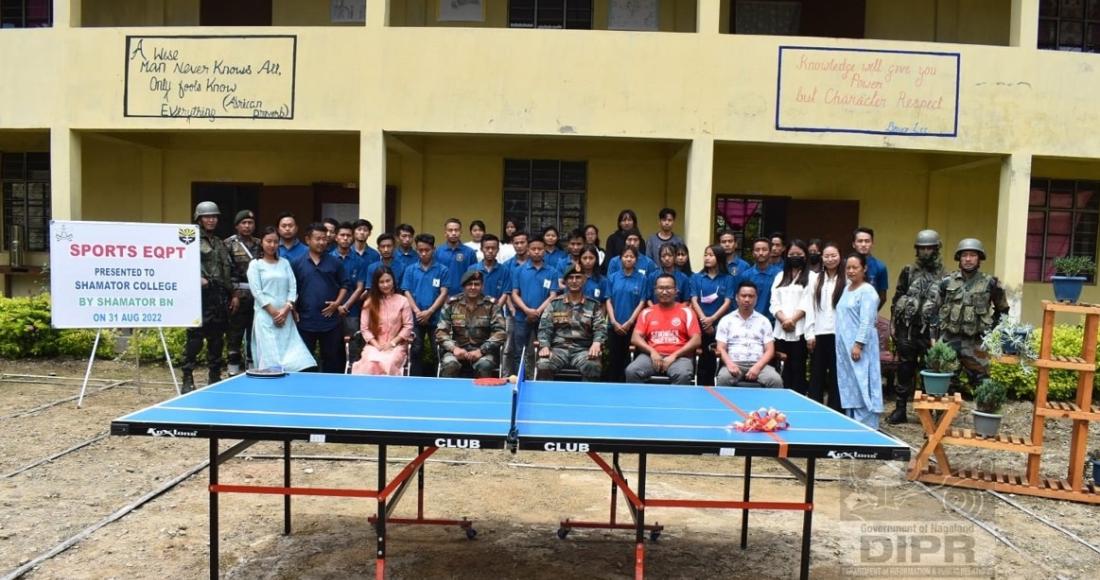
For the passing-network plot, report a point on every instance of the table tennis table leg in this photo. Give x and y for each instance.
(807, 519)
(639, 522)
(420, 486)
(213, 509)
(286, 484)
(614, 488)
(745, 512)
(380, 521)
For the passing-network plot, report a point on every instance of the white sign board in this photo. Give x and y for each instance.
(124, 275)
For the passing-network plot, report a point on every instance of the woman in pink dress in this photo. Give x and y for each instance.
(387, 327)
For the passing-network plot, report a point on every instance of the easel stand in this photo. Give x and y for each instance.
(1080, 412)
(91, 360)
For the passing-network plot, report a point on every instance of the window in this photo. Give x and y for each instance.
(25, 179)
(1062, 220)
(26, 13)
(540, 193)
(745, 216)
(550, 14)
(833, 19)
(1072, 25)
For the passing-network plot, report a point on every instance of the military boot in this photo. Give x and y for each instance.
(214, 376)
(898, 416)
(188, 382)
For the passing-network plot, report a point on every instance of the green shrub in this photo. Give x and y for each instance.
(1062, 385)
(78, 342)
(25, 327)
(989, 396)
(145, 344)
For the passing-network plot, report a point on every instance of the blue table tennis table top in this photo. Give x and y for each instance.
(550, 416)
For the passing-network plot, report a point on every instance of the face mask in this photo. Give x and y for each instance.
(796, 261)
(815, 259)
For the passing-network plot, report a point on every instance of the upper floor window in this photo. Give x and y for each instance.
(1063, 219)
(541, 192)
(836, 18)
(26, 13)
(1072, 25)
(25, 181)
(550, 14)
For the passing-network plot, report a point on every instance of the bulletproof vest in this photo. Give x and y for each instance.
(915, 308)
(966, 309)
(242, 252)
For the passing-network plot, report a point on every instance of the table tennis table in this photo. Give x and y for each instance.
(595, 419)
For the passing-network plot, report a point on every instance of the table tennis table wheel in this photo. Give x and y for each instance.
(471, 533)
(563, 532)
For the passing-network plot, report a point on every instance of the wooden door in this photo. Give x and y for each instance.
(275, 199)
(827, 219)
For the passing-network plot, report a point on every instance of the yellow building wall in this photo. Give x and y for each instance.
(113, 182)
(469, 185)
(891, 188)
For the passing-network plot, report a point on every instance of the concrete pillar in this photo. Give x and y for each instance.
(66, 13)
(65, 174)
(372, 176)
(1012, 203)
(1024, 24)
(708, 17)
(377, 13)
(699, 200)
(152, 185)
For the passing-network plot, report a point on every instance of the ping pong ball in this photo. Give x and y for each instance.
(512, 378)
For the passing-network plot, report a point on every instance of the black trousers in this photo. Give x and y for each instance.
(911, 346)
(823, 372)
(618, 355)
(332, 347)
(794, 368)
(708, 362)
(214, 335)
(239, 324)
(421, 333)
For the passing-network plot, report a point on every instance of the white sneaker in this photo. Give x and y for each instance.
(234, 369)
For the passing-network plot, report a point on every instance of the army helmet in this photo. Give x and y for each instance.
(927, 238)
(973, 244)
(206, 208)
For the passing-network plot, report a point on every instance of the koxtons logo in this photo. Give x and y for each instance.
(832, 454)
(171, 433)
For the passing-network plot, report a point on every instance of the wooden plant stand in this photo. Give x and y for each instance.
(1080, 412)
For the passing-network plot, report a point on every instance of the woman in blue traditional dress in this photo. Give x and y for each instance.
(859, 376)
(275, 339)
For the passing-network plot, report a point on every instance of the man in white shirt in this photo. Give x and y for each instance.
(745, 343)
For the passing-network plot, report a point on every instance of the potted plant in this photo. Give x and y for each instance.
(1010, 338)
(988, 399)
(1070, 274)
(940, 362)
(1094, 458)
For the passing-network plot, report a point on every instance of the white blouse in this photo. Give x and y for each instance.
(787, 299)
(822, 320)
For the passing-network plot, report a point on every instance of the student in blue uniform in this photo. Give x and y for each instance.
(405, 252)
(455, 256)
(424, 286)
(667, 255)
(595, 285)
(625, 299)
(362, 232)
(711, 289)
(644, 265)
(354, 265)
(554, 255)
(534, 285)
(762, 274)
(494, 275)
(386, 247)
(734, 264)
(863, 241)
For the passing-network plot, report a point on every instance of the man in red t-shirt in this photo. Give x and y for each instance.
(666, 336)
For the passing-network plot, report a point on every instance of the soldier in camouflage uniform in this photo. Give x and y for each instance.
(470, 330)
(218, 298)
(916, 302)
(572, 331)
(972, 302)
(243, 248)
